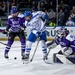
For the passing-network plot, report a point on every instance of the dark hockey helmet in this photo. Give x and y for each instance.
(14, 10)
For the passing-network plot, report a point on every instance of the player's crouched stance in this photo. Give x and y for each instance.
(36, 23)
(15, 28)
(65, 40)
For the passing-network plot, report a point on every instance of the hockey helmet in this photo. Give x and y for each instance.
(62, 31)
(14, 10)
(27, 13)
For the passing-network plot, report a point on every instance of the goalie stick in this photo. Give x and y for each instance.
(46, 61)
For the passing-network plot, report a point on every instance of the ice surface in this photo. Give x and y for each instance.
(37, 67)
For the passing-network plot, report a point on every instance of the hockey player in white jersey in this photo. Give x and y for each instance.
(35, 22)
(65, 40)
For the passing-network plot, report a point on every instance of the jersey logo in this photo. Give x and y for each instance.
(71, 36)
(62, 43)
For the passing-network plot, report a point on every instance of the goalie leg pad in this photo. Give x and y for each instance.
(67, 51)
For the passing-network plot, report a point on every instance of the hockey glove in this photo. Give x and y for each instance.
(5, 31)
(38, 34)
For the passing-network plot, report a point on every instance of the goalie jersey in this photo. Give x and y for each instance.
(68, 41)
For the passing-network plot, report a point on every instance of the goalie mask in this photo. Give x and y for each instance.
(62, 32)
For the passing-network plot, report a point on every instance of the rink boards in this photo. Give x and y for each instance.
(49, 30)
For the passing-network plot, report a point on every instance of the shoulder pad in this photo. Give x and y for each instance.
(10, 16)
(20, 15)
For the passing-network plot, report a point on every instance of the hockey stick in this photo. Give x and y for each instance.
(33, 53)
(3, 43)
(6, 44)
(1, 30)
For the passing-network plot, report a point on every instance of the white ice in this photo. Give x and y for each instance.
(36, 67)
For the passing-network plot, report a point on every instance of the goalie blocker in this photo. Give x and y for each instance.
(60, 58)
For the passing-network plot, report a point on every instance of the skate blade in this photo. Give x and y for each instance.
(48, 62)
(26, 61)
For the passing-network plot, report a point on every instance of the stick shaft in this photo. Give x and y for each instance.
(35, 51)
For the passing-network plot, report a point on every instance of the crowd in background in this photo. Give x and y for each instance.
(66, 9)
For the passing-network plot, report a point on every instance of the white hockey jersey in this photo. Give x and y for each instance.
(36, 24)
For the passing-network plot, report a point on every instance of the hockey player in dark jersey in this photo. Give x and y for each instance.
(15, 28)
(65, 40)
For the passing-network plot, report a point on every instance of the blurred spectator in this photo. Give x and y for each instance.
(4, 6)
(42, 6)
(51, 15)
(72, 12)
(71, 3)
(13, 5)
(1, 9)
(70, 22)
(29, 3)
(26, 3)
(0, 22)
(51, 6)
(34, 6)
(66, 11)
(61, 17)
(47, 21)
(46, 12)
(62, 5)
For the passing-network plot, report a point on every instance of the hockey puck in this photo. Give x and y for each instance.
(15, 58)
